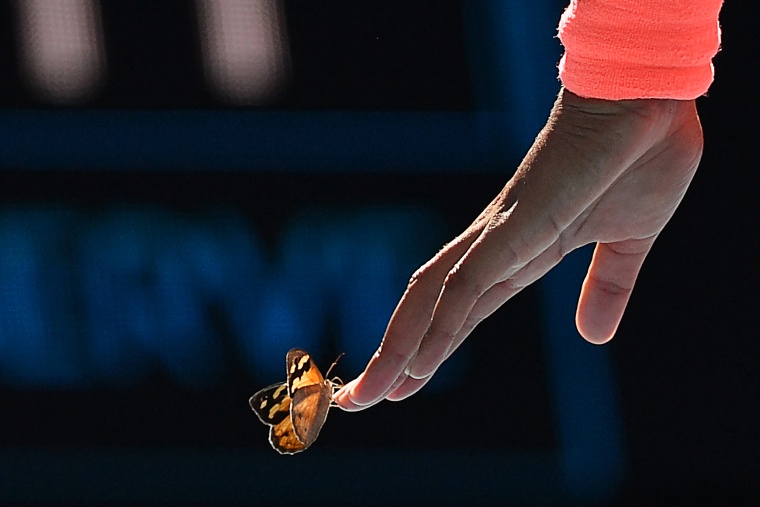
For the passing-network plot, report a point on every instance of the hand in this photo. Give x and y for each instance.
(609, 172)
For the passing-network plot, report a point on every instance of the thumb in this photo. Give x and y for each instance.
(608, 286)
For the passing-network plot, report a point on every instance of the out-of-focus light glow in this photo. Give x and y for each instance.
(62, 54)
(92, 300)
(244, 48)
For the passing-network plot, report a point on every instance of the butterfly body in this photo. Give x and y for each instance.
(295, 409)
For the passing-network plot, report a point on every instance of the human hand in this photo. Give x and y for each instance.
(608, 172)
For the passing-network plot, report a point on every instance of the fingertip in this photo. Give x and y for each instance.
(412, 371)
(341, 393)
(418, 372)
(344, 403)
(345, 398)
(594, 337)
(352, 398)
(595, 326)
(409, 387)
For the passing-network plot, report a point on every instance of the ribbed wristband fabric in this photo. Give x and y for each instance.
(636, 49)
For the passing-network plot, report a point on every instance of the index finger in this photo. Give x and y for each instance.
(405, 330)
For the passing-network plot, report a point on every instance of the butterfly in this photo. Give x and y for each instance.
(296, 409)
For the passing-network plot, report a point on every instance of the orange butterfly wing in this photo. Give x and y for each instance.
(272, 406)
(311, 395)
(296, 409)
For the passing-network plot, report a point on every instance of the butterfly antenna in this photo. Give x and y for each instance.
(327, 375)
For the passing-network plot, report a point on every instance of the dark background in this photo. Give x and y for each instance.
(685, 355)
(688, 365)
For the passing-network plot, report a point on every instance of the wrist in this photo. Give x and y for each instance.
(631, 49)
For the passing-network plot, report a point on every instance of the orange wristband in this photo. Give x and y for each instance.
(637, 49)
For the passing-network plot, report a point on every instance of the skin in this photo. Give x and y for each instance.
(604, 172)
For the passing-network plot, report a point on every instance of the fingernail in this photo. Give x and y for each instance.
(410, 371)
(410, 365)
(342, 399)
(341, 393)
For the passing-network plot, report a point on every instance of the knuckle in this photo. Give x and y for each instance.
(513, 284)
(393, 353)
(611, 288)
(510, 257)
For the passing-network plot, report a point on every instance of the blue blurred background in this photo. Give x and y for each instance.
(190, 189)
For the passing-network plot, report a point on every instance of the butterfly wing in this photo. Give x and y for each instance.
(311, 396)
(272, 406)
